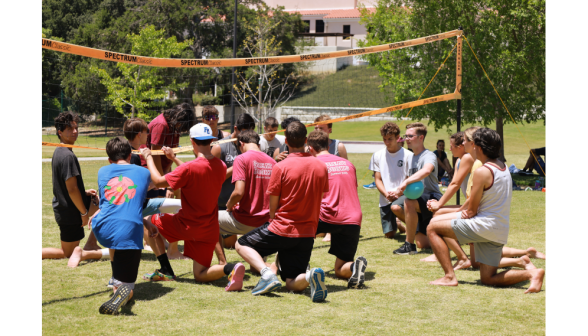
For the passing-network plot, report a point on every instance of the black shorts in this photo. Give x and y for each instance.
(344, 239)
(425, 215)
(125, 265)
(70, 224)
(539, 151)
(294, 252)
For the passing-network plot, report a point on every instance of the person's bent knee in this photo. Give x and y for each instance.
(396, 209)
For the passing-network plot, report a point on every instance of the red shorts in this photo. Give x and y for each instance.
(199, 251)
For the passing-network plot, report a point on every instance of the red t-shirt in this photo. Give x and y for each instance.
(299, 182)
(341, 204)
(254, 168)
(201, 181)
(160, 135)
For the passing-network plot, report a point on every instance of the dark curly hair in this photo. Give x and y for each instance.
(489, 141)
(180, 118)
(64, 120)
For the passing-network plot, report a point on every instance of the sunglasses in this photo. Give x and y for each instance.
(211, 117)
(409, 136)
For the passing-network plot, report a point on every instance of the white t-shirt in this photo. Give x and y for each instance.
(270, 147)
(394, 168)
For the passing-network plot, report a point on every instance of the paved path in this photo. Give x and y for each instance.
(352, 147)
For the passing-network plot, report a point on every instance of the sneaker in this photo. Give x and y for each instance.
(358, 276)
(236, 278)
(110, 283)
(119, 299)
(370, 186)
(318, 290)
(266, 286)
(405, 249)
(158, 276)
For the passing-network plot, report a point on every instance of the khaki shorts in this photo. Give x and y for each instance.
(230, 226)
(486, 252)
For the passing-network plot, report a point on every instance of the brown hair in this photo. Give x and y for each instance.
(133, 127)
(489, 141)
(118, 149)
(390, 128)
(209, 109)
(420, 128)
(457, 138)
(64, 120)
(202, 142)
(318, 140)
(323, 118)
(469, 133)
(248, 136)
(270, 122)
(296, 134)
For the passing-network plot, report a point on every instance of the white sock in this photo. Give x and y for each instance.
(308, 276)
(105, 253)
(266, 273)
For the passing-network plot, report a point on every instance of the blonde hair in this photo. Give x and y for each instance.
(470, 132)
(323, 118)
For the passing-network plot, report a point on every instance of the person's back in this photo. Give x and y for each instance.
(300, 183)
(254, 168)
(341, 204)
(492, 219)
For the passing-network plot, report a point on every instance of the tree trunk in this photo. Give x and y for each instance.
(500, 130)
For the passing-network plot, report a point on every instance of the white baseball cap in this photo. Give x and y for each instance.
(201, 131)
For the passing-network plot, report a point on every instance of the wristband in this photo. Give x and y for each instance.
(86, 214)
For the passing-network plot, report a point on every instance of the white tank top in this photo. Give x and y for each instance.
(492, 219)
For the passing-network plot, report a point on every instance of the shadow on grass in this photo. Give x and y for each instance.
(361, 239)
(222, 282)
(145, 291)
(520, 285)
(76, 297)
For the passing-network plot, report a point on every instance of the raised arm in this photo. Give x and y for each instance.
(158, 180)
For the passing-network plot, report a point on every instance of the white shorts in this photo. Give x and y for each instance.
(230, 226)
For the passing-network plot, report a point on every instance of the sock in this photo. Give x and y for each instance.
(228, 268)
(165, 265)
(266, 273)
(105, 253)
(413, 246)
(352, 267)
(307, 275)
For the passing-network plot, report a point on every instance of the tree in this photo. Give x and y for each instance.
(507, 36)
(268, 86)
(138, 84)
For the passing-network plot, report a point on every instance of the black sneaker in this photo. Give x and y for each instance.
(358, 276)
(406, 249)
(119, 299)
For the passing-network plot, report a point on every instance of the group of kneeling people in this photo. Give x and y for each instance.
(482, 221)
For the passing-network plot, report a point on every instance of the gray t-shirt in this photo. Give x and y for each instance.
(431, 183)
(229, 152)
(270, 147)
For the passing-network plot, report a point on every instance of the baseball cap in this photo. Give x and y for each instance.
(201, 131)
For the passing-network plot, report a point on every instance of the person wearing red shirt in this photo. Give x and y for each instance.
(340, 211)
(197, 221)
(296, 189)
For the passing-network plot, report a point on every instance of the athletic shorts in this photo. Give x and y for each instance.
(294, 253)
(151, 206)
(230, 226)
(344, 239)
(125, 266)
(486, 251)
(425, 215)
(388, 218)
(199, 251)
(69, 221)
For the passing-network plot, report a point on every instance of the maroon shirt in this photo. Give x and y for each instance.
(160, 135)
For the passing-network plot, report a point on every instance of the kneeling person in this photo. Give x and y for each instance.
(340, 213)
(119, 224)
(296, 188)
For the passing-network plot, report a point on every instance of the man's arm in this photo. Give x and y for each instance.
(76, 196)
(342, 150)
(216, 151)
(229, 173)
(237, 195)
(274, 200)
(482, 179)
(169, 153)
(427, 169)
(280, 156)
(158, 180)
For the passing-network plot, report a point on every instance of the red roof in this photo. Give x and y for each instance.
(333, 13)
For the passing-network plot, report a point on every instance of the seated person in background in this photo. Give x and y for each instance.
(443, 163)
(269, 142)
(485, 223)
(538, 164)
(282, 152)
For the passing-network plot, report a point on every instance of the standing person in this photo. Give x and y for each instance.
(248, 206)
(444, 165)
(340, 213)
(197, 222)
(415, 213)
(119, 224)
(73, 205)
(165, 130)
(282, 152)
(269, 142)
(296, 189)
(391, 166)
(485, 223)
(210, 117)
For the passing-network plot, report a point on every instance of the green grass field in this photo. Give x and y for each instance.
(397, 300)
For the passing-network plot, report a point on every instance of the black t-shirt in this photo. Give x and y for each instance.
(64, 166)
(136, 159)
(440, 157)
